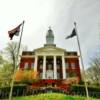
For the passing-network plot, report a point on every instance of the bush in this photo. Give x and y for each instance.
(26, 76)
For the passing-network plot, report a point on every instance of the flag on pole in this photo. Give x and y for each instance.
(14, 31)
(72, 34)
(11, 34)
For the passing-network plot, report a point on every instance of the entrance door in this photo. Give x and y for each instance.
(49, 74)
(49, 68)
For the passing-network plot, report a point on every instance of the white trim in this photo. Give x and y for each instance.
(71, 56)
(49, 54)
(55, 68)
(63, 68)
(44, 67)
(35, 64)
(27, 56)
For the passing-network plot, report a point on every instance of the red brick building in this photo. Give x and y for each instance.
(53, 64)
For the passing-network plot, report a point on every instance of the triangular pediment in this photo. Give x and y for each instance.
(49, 48)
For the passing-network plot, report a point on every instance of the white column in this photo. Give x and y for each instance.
(63, 68)
(35, 64)
(55, 68)
(44, 67)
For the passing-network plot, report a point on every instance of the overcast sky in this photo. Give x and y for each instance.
(60, 15)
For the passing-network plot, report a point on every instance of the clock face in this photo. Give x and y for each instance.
(49, 74)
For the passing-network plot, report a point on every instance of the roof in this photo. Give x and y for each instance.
(49, 48)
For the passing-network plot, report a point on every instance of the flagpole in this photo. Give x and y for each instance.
(12, 83)
(87, 94)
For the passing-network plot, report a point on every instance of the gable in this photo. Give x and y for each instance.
(49, 49)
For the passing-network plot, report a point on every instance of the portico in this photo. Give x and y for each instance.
(50, 65)
(51, 59)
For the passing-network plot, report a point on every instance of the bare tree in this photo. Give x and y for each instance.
(8, 61)
(93, 72)
(11, 53)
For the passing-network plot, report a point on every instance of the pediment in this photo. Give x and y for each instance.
(49, 49)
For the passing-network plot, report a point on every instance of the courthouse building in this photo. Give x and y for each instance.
(52, 63)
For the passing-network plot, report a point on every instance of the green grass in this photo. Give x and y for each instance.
(52, 96)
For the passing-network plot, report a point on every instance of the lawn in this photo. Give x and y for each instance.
(52, 96)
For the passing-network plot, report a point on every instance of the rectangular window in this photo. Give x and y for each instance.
(32, 66)
(58, 75)
(67, 75)
(26, 65)
(73, 65)
(66, 65)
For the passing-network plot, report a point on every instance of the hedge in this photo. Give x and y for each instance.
(18, 90)
(93, 91)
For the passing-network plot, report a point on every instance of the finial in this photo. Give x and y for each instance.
(23, 21)
(49, 27)
(75, 23)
